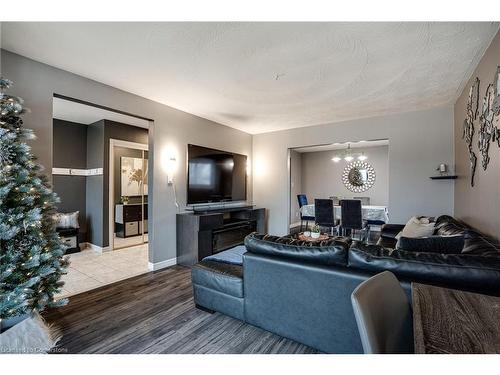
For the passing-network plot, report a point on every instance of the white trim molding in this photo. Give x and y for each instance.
(77, 172)
(163, 264)
(97, 249)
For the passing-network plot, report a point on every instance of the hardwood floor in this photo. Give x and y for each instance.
(155, 313)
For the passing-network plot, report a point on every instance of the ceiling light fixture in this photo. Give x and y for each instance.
(362, 157)
(348, 156)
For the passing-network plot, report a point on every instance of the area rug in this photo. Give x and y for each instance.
(31, 336)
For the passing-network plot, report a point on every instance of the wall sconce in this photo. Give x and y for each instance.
(170, 168)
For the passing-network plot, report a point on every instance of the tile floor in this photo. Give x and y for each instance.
(89, 269)
(129, 241)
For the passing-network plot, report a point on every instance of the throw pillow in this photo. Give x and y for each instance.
(69, 220)
(417, 227)
(432, 244)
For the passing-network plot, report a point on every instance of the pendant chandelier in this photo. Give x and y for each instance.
(348, 155)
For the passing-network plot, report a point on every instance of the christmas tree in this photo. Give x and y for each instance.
(31, 252)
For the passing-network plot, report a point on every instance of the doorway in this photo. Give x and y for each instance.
(84, 137)
(128, 194)
(348, 170)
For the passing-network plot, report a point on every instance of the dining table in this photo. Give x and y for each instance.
(369, 212)
(450, 321)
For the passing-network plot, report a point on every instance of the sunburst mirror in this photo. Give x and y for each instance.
(358, 176)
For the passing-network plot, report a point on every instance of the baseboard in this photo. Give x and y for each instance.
(164, 264)
(91, 246)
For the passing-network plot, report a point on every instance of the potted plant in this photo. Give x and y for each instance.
(315, 231)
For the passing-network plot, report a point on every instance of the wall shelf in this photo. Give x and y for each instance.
(453, 177)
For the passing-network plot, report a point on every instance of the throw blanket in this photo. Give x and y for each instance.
(230, 256)
(31, 336)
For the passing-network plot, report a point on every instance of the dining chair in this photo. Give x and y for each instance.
(383, 315)
(369, 225)
(302, 198)
(323, 210)
(365, 201)
(351, 217)
(335, 200)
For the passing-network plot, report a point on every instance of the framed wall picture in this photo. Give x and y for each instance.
(133, 175)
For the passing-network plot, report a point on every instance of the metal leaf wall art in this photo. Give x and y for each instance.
(468, 127)
(496, 101)
(488, 132)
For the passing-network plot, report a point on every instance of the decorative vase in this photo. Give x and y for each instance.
(315, 234)
(307, 233)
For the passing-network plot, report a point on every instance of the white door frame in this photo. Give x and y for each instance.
(111, 216)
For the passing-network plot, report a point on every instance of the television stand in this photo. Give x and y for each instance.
(204, 233)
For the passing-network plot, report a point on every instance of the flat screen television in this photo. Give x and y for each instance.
(215, 176)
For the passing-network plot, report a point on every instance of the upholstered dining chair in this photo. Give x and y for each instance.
(302, 198)
(351, 217)
(383, 315)
(335, 199)
(365, 201)
(323, 210)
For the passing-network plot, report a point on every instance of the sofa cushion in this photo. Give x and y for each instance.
(433, 244)
(329, 252)
(223, 277)
(476, 243)
(230, 256)
(459, 270)
(417, 226)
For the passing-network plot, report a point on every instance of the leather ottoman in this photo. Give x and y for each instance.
(219, 286)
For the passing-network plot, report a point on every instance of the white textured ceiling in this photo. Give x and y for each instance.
(85, 114)
(260, 77)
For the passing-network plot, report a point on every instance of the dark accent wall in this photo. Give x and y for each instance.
(86, 147)
(70, 151)
(70, 144)
(95, 159)
(479, 205)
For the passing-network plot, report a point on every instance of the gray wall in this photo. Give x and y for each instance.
(94, 184)
(322, 178)
(419, 142)
(171, 132)
(70, 151)
(70, 144)
(479, 205)
(295, 185)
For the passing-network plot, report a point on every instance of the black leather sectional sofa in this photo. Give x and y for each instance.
(302, 291)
